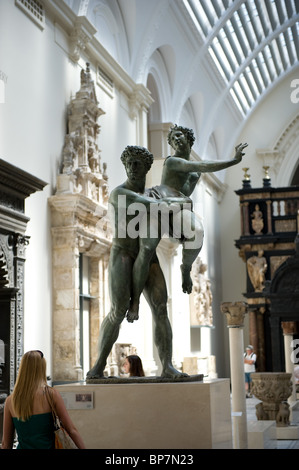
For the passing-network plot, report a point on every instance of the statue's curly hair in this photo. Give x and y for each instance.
(188, 133)
(140, 152)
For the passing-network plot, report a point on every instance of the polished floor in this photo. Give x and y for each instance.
(280, 443)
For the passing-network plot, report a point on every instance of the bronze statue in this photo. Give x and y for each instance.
(133, 264)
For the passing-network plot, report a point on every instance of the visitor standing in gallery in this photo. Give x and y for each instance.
(133, 366)
(28, 412)
(249, 368)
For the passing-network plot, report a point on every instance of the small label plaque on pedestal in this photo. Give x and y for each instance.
(77, 401)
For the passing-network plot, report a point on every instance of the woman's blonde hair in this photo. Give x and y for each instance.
(32, 374)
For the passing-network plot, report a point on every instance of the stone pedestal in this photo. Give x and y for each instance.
(289, 328)
(194, 415)
(288, 433)
(261, 435)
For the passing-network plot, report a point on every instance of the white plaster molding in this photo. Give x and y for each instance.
(140, 100)
(82, 39)
(79, 28)
(81, 35)
(284, 150)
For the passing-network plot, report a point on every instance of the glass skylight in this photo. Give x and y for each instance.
(252, 42)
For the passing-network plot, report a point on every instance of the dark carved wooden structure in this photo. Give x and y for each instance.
(283, 294)
(269, 226)
(15, 186)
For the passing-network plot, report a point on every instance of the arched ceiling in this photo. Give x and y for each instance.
(254, 43)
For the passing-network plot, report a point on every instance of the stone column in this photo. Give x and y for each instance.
(289, 330)
(140, 101)
(235, 313)
(261, 355)
(66, 329)
(253, 332)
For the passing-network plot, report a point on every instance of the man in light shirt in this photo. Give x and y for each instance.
(249, 367)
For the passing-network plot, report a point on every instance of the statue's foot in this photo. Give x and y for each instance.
(94, 374)
(186, 279)
(171, 373)
(132, 314)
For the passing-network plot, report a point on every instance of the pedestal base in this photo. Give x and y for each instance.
(194, 415)
(261, 434)
(288, 432)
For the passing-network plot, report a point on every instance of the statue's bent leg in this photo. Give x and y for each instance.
(192, 232)
(141, 269)
(156, 295)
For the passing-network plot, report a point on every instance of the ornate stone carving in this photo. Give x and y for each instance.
(82, 172)
(235, 313)
(285, 225)
(273, 388)
(289, 327)
(201, 297)
(81, 35)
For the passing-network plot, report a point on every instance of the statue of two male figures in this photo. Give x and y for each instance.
(133, 265)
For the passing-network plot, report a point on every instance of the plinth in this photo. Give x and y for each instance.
(183, 415)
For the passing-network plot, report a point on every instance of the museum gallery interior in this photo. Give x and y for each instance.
(80, 80)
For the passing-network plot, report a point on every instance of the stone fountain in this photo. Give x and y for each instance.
(273, 389)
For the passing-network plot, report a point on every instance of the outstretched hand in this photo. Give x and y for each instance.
(239, 151)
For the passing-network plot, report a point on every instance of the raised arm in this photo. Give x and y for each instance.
(180, 164)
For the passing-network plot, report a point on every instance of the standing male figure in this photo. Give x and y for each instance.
(124, 250)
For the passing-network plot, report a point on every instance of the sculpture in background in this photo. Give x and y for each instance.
(257, 266)
(257, 220)
(82, 170)
(201, 297)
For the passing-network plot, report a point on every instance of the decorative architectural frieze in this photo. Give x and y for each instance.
(81, 35)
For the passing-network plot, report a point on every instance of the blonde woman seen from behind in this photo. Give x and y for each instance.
(27, 410)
